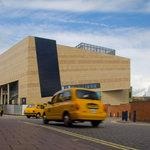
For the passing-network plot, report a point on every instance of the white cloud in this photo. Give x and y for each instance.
(81, 5)
(141, 81)
(129, 42)
(134, 46)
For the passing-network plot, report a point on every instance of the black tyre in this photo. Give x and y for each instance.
(45, 120)
(67, 120)
(38, 115)
(28, 116)
(95, 123)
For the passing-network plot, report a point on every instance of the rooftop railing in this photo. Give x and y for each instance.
(95, 48)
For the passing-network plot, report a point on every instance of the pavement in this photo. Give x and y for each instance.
(20, 133)
(129, 122)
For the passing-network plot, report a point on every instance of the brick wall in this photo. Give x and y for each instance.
(140, 110)
(116, 110)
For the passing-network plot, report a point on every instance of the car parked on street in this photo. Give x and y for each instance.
(33, 110)
(75, 105)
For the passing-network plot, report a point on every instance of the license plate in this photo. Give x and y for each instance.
(93, 110)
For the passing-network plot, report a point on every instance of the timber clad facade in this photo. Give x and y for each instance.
(35, 68)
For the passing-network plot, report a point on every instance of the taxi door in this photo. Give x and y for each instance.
(53, 109)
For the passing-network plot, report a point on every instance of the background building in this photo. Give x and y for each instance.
(35, 68)
(138, 109)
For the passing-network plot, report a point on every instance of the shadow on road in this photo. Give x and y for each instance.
(75, 125)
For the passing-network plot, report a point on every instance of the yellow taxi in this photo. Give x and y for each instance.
(73, 105)
(33, 110)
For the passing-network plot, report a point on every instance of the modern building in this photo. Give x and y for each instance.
(35, 68)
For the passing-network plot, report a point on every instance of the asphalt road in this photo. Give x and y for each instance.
(20, 133)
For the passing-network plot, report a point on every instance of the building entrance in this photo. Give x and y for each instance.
(9, 93)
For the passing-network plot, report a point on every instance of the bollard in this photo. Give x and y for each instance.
(134, 116)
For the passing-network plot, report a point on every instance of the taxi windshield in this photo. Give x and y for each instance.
(85, 94)
(30, 106)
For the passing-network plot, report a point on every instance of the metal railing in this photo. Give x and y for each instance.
(95, 48)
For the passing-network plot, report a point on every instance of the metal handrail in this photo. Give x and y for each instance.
(96, 48)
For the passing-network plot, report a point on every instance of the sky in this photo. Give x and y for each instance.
(123, 25)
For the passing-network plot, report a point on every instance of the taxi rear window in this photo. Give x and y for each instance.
(85, 94)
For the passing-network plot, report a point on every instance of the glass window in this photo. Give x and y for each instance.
(130, 94)
(31, 105)
(60, 98)
(84, 94)
(66, 95)
(89, 86)
(54, 99)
